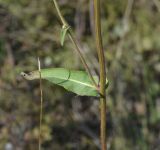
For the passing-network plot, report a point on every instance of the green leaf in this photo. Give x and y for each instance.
(75, 81)
(63, 34)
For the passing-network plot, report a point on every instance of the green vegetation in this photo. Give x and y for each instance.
(130, 31)
(75, 81)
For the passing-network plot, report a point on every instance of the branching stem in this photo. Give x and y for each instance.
(101, 63)
(73, 40)
(82, 59)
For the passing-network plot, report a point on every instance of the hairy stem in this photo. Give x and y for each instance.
(101, 58)
(64, 22)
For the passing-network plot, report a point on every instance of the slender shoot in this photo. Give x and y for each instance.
(41, 105)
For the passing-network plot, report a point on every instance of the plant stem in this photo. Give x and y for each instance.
(82, 59)
(41, 106)
(101, 58)
(64, 22)
(59, 13)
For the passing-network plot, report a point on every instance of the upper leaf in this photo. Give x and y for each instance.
(74, 81)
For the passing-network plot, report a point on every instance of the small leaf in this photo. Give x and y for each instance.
(63, 34)
(75, 81)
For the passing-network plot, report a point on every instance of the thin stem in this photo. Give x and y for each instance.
(82, 58)
(101, 58)
(41, 106)
(64, 22)
(59, 13)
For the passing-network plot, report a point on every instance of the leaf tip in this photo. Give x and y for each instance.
(30, 75)
(24, 75)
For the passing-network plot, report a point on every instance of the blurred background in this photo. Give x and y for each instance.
(131, 38)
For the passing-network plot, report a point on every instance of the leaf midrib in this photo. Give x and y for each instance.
(73, 81)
